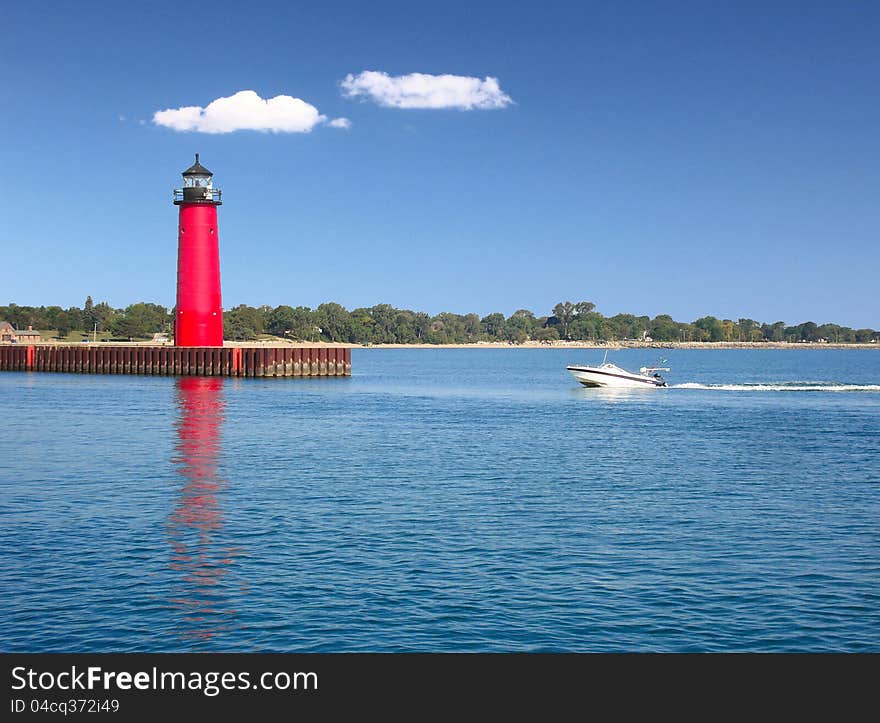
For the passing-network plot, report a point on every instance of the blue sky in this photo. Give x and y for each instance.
(677, 158)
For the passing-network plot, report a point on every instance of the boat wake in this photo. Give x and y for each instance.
(782, 387)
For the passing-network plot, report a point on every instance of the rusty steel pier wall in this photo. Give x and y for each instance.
(235, 361)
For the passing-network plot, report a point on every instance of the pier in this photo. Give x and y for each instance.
(227, 361)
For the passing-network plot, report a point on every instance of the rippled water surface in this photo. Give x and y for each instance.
(447, 500)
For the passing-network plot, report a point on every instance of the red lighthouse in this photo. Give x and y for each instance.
(199, 318)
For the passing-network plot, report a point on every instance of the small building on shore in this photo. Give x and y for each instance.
(10, 335)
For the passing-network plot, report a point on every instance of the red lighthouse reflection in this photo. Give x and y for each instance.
(195, 527)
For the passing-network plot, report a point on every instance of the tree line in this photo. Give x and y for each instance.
(385, 324)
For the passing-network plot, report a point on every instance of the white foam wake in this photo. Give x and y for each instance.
(782, 387)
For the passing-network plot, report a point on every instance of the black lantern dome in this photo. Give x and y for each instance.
(197, 169)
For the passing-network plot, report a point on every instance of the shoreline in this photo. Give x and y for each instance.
(624, 345)
(611, 345)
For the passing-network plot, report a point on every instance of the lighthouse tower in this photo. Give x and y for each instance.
(199, 317)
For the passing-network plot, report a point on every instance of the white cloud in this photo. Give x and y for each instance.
(419, 90)
(340, 123)
(244, 110)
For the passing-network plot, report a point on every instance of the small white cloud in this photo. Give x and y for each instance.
(244, 110)
(419, 90)
(121, 118)
(340, 123)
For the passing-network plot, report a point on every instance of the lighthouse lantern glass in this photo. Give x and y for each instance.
(197, 181)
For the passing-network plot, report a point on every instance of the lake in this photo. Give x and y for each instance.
(447, 500)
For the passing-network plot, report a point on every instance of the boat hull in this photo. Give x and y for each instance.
(594, 377)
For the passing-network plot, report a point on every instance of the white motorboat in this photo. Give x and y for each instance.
(611, 375)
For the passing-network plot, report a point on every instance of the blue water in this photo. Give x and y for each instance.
(447, 500)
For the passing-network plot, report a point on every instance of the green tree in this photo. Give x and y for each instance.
(547, 333)
(88, 318)
(585, 327)
(709, 328)
(384, 326)
(334, 321)
(728, 330)
(473, 326)
(243, 323)
(520, 326)
(664, 328)
(64, 323)
(74, 316)
(140, 320)
(362, 326)
(449, 328)
(745, 328)
(774, 332)
(564, 312)
(302, 325)
(422, 325)
(493, 325)
(281, 320)
(103, 313)
(628, 326)
(808, 331)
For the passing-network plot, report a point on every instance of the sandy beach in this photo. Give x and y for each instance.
(622, 345)
(509, 345)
